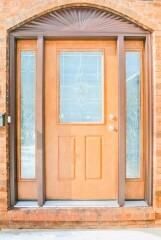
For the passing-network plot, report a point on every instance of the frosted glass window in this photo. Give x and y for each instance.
(81, 86)
(28, 114)
(133, 115)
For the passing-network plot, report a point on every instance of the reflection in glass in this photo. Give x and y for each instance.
(133, 116)
(81, 83)
(27, 114)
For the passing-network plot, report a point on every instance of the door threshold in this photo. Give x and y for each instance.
(68, 204)
(135, 203)
(26, 204)
(79, 204)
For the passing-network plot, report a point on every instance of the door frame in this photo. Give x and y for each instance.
(11, 94)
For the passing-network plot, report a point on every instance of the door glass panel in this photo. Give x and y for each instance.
(27, 114)
(133, 116)
(81, 86)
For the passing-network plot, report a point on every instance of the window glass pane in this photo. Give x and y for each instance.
(133, 117)
(81, 83)
(27, 114)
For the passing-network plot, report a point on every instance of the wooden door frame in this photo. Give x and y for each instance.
(121, 114)
(127, 30)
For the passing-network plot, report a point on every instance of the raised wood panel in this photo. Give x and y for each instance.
(134, 190)
(27, 190)
(66, 158)
(93, 157)
(139, 44)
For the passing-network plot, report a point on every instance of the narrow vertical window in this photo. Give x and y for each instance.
(133, 114)
(27, 114)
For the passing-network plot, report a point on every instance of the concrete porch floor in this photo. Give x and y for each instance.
(118, 234)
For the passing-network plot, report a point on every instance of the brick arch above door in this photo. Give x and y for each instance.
(120, 9)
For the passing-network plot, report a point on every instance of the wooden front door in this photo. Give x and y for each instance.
(81, 109)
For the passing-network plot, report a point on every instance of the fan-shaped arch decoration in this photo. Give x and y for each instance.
(79, 21)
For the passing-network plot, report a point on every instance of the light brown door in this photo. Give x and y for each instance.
(81, 145)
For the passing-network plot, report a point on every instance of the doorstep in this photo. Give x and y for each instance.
(82, 216)
(78, 214)
(80, 211)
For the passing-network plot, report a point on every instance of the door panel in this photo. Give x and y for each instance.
(66, 150)
(93, 158)
(81, 154)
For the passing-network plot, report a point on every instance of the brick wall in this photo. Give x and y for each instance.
(79, 218)
(146, 14)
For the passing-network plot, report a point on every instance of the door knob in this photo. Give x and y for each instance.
(111, 117)
(111, 128)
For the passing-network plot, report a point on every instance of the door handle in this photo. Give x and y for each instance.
(112, 128)
(111, 117)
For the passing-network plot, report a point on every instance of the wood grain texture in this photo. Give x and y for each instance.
(66, 158)
(93, 161)
(96, 149)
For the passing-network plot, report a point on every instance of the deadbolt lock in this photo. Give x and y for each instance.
(111, 117)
